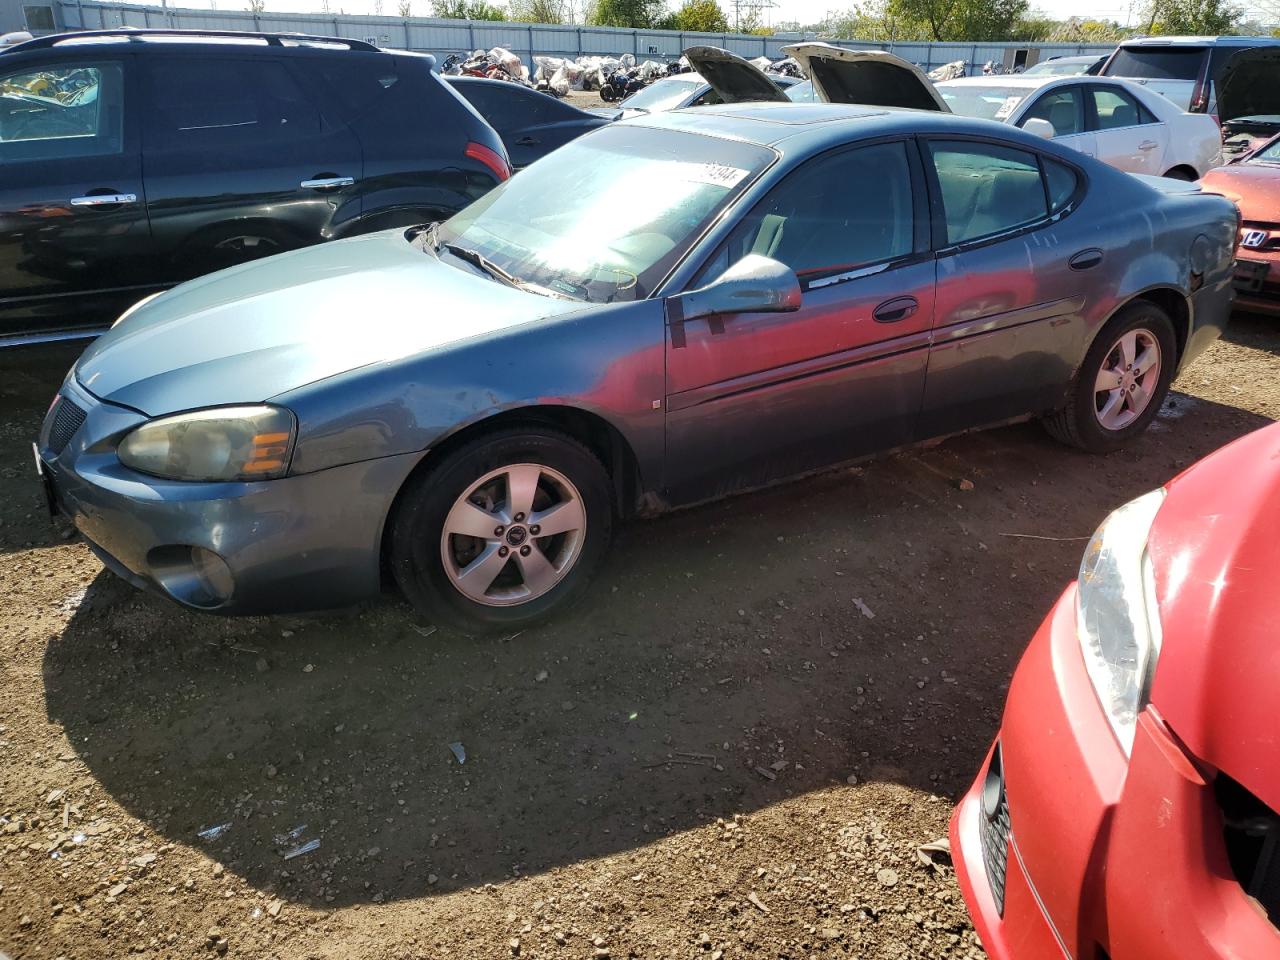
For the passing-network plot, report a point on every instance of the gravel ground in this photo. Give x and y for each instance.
(732, 749)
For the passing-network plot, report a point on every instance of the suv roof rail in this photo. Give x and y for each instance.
(138, 33)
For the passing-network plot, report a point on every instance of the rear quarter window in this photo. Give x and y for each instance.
(1157, 63)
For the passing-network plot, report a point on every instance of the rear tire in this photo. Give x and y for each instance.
(1113, 398)
(504, 531)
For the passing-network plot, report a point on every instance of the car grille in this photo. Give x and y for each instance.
(1252, 833)
(993, 828)
(67, 419)
(1272, 242)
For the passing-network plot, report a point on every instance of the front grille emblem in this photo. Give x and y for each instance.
(1253, 238)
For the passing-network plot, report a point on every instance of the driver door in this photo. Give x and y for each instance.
(752, 398)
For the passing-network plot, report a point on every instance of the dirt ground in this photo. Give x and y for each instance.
(732, 749)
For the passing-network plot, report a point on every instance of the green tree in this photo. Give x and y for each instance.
(876, 20)
(990, 20)
(637, 14)
(1194, 17)
(701, 16)
(540, 11)
(467, 10)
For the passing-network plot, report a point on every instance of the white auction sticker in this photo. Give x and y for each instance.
(715, 174)
(1006, 108)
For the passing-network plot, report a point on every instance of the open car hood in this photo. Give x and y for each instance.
(1246, 84)
(868, 77)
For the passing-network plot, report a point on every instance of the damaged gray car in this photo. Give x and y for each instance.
(668, 310)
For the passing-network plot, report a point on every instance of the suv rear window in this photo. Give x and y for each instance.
(1157, 63)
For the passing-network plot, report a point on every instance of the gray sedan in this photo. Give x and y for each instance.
(666, 311)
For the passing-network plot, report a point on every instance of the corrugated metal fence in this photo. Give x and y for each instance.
(443, 37)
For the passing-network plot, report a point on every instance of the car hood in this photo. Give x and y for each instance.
(1214, 548)
(1253, 187)
(869, 77)
(255, 331)
(1246, 84)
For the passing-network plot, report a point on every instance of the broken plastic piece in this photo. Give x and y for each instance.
(303, 848)
(294, 834)
(211, 833)
(459, 751)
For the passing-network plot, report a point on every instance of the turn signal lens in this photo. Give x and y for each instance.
(225, 443)
(496, 162)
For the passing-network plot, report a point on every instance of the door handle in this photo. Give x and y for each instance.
(527, 142)
(327, 183)
(104, 199)
(1085, 259)
(1148, 145)
(899, 308)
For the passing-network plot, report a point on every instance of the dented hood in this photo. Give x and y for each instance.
(872, 77)
(868, 77)
(1246, 84)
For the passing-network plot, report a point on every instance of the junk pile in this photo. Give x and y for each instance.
(496, 64)
(949, 71)
(787, 67)
(614, 77)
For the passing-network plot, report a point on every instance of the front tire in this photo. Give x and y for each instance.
(504, 531)
(1122, 383)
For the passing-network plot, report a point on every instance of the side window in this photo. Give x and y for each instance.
(832, 215)
(1061, 181)
(708, 99)
(1117, 109)
(62, 111)
(1062, 108)
(986, 189)
(197, 104)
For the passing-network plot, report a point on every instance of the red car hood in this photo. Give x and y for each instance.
(1215, 549)
(1254, 187)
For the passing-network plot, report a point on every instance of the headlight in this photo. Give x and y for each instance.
(135, 308)
(1116, 619)
(225, 443)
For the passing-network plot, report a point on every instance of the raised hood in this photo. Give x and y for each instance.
(255, 331)
(868, 77)
(736, 80)
(1215, 548)
(1246, 84)
(872, 77)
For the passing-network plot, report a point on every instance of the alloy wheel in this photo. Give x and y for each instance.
(513, 535)
(1127, 380)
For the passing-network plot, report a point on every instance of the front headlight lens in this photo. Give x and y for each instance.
(1116, 618)
(225, 443)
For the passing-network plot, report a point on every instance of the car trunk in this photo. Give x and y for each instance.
(1171, 71)
(1246, 85)
(868, 77)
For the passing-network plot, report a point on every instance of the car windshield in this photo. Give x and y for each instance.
(1268, 154)
(609, 214)
(801, 92)
(1057, 68)
(994, 102)
(1156, 63)
(665, 94)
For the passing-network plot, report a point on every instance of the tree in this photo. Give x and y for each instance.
(701, 16)
(467, 10)
(637, 14)
(1194, 17)
(540, 11)
(876, 20)
(990, 20)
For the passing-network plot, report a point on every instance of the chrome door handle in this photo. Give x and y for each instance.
(104, 199)
(1148, 145)
(327, 183)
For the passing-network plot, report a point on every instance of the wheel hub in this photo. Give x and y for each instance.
(516, 536)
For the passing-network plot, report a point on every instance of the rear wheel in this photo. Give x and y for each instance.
(1122, 382)
(1182, 173)
(504, 531)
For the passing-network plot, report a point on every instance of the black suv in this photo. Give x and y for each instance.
(133, 160)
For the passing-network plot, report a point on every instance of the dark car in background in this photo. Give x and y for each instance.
(530, 122)
(1188, 70)
(134, 160)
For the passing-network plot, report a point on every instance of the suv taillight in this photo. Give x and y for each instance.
(494, 161)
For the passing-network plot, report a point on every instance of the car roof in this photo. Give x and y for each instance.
(1034, 82)
(134, 39)
(1201, 41)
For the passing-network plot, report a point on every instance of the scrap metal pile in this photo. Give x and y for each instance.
(614, 77)
(496, 64)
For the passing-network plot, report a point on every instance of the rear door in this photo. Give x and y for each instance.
(755, 397)
(1128, 136)
(1063, 108)
(74, 239)
(1013, 283)
(240, 162)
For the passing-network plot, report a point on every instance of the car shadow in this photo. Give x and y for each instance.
(862, 623)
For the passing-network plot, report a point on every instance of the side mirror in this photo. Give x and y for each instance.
(1041, 128)
(754, 284)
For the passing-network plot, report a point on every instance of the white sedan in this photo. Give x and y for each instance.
(1116, 121)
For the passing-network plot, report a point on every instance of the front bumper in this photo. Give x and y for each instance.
(1106, 856)
(1257, 281)
(298, 543)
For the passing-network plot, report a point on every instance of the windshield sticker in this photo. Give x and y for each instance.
(714, 174)
(1006, 108)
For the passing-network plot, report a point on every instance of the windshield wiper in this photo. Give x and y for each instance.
(478, 259)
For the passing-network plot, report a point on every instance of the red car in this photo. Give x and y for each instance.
(1130, 805)
(1253, 184)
